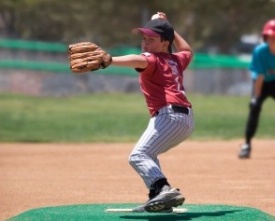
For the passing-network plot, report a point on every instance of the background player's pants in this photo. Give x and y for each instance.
(164, 131)
(268, 90)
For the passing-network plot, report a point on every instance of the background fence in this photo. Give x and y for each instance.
(41, 68)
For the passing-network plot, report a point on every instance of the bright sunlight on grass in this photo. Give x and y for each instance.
(118, 118)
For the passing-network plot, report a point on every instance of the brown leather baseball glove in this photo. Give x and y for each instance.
(87, 56)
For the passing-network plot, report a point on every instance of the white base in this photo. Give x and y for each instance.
(130, 210)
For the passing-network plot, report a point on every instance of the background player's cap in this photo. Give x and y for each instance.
(269, 29)
(157, 27)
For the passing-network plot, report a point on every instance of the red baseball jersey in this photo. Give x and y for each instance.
(161, 81)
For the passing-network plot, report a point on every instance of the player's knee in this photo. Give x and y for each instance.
(132, 159)
(135, 158)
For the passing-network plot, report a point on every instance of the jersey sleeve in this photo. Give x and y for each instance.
(256, 66)
(151, 63)
(184, 58)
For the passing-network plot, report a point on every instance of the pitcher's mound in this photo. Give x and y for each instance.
(96, 212)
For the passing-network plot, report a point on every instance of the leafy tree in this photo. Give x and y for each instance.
(204, 23)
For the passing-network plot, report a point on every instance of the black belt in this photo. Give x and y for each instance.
(177, 109)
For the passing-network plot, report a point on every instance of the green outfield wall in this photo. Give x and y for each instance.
(200, 60)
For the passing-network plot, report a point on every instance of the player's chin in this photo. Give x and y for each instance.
(144, 49)
(148, 50)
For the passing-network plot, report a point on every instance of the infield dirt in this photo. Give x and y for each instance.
(207, 172)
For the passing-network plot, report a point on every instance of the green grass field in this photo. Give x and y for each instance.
(118, 118)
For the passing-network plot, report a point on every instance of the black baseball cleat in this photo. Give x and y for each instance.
(152, 194)
(164, 202)
(245, 151)
(139, 209)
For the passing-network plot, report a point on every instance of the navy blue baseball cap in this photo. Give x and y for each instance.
(157, 27)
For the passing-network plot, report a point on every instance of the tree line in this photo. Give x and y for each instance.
(204, 23)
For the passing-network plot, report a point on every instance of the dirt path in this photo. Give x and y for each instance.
(208, 172)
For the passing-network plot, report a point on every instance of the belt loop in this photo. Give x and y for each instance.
(170, 108)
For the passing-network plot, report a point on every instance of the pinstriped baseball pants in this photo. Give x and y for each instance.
(164, 131)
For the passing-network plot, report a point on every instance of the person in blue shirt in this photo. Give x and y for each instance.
(262, 69)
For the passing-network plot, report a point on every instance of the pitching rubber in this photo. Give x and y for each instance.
(130, 210)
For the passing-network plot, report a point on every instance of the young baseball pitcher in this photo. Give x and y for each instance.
(262, 69)
(161, 81)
